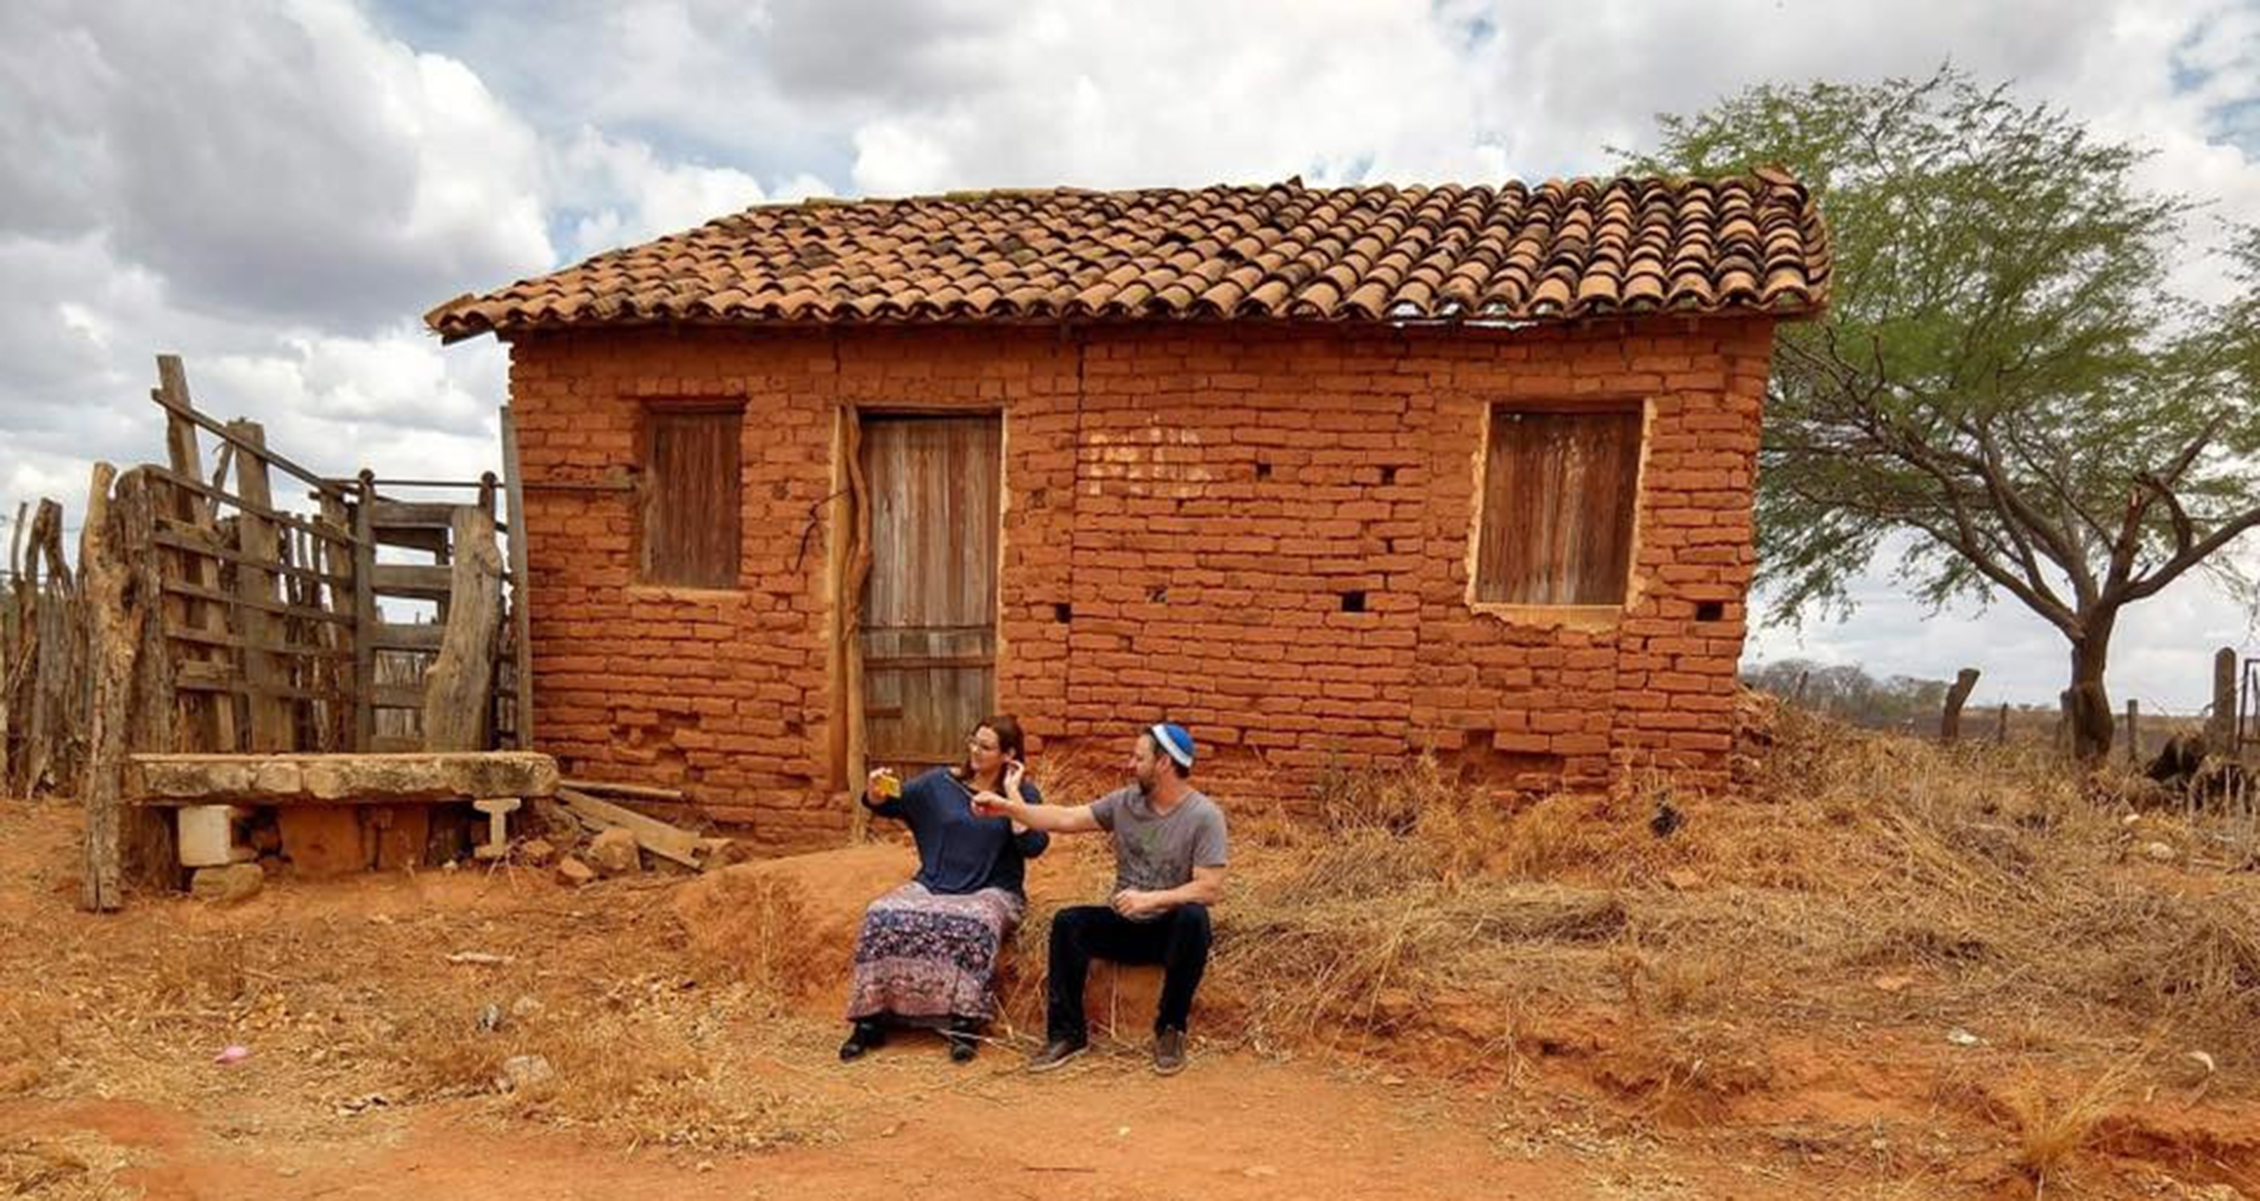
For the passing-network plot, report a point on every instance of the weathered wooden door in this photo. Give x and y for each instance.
(929, 614)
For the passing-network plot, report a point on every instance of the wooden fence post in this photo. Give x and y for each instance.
(115, 641)
(2221, 725)
(2001, 726)
(1950, 722)
(521, 584)
(272, 727)
(2134, 736)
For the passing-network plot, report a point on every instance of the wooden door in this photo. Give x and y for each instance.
(929, 612)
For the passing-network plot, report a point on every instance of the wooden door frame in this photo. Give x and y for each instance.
(848, 572)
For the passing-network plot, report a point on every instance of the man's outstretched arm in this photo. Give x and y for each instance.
(1056, 819)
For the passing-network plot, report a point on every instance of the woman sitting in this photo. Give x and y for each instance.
(927, 955)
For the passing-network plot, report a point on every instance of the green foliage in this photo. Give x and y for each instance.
(2005, 372)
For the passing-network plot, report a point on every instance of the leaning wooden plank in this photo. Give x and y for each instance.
(209, 722)
(635, 790)
(338, 779)
(116, 634)
(459, 687)
(668, 842)
(273, 725)
(521, 584)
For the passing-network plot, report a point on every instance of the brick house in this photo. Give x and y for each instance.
(1332, 476)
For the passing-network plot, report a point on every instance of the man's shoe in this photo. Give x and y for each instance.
(1169, 1052)
(1057, 1053)
(863, 1037)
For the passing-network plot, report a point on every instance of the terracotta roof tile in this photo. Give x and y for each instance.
(1555, 251)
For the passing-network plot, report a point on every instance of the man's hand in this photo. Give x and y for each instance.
(989, 804)
(1137, 903)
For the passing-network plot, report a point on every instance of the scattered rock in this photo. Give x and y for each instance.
(523, 1072)
(724, 852)
(539, 852)
(574, 873)
(226, 885)
(1892, 984)
(1684, 879)
(614, 852)
(490, 1017)
(525, 1007)
(1963, 1038)
(359, 1105)
(2159, 852)
(478, 958)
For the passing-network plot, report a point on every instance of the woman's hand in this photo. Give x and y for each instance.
(1014, 773)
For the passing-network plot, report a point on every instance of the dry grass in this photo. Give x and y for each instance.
(76, 1167)
(1858, 882)
(2053, 1125)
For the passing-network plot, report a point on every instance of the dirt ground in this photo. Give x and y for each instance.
(699, 1063)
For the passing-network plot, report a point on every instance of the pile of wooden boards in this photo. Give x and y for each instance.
(673, 843)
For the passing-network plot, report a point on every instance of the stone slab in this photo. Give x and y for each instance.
(416, 778)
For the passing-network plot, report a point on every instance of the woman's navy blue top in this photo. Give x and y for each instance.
(960, 851)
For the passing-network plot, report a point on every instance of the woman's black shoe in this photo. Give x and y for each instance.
(964, 1041)
(862, 1037)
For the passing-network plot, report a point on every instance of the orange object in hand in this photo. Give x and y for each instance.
(887, 787)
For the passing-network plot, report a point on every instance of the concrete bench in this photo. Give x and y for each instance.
(336, 813)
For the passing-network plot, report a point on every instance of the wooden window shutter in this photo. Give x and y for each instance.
(1558, 494)
(691, 498)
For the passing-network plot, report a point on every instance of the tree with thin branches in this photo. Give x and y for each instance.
(2009, 388)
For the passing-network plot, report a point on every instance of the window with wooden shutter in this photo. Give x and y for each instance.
(691, 497)
(1559, 486)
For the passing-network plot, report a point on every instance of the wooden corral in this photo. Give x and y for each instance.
(222, 618)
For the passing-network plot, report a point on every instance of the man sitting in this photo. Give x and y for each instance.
(1169, 854)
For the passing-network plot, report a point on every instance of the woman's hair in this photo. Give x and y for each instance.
(1010, 740)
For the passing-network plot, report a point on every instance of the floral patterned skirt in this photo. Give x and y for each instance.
(924, 957)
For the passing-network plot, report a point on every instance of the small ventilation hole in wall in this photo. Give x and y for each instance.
(1263, 471)
(1159, 596)
(1710, 610)
(1388, 476)
(1353, 602)
(1063, 612)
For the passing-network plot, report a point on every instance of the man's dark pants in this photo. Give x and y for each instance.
(1178, 940)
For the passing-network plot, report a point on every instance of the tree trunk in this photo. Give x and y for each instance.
(1950, 722)
(2090, 704)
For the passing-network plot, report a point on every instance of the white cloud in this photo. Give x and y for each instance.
(626, 193)
(277, 189)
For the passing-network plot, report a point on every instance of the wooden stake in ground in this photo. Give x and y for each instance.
(1950, 722)
(115, 638)
(2220, 727)
(2134, 733)
(457, 689)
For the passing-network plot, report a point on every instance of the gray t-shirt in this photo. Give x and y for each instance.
(1153, 850)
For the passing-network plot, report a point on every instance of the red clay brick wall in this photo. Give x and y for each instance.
(1194, 503)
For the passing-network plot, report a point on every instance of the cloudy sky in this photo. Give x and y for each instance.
(279, 190)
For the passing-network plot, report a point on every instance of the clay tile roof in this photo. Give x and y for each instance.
(1561, 250)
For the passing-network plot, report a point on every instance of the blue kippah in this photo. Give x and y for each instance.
(1172, 740)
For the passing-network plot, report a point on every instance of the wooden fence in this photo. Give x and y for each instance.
(43, 680)
(217, 615)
